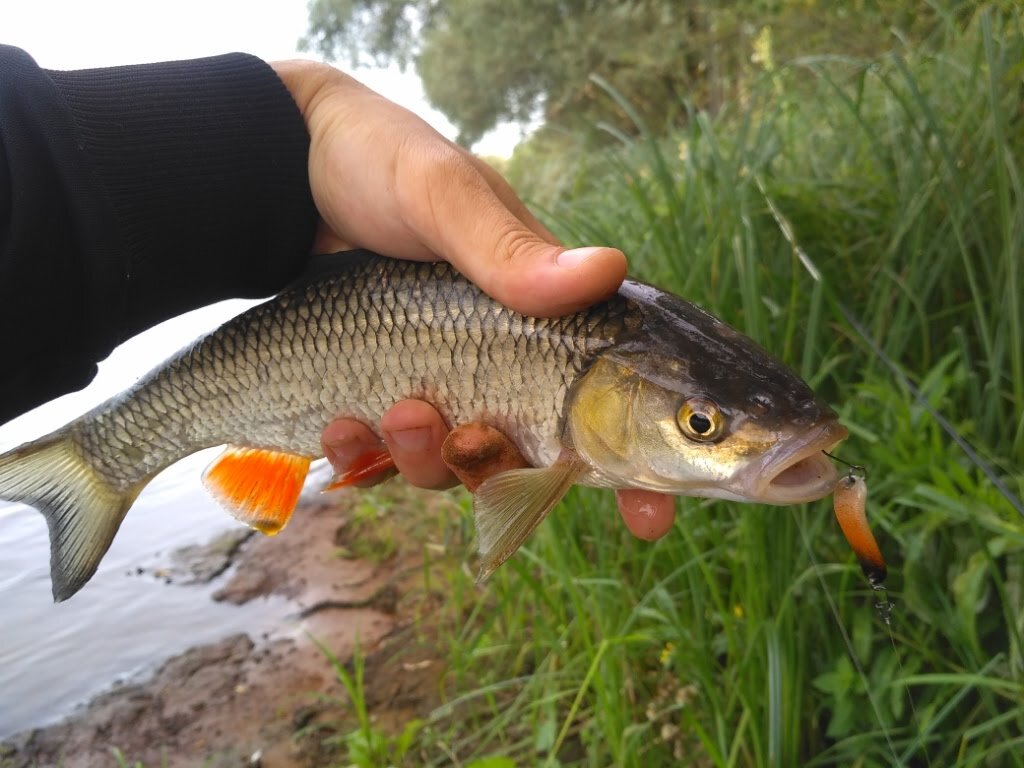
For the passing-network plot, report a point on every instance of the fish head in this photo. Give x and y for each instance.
(684, 404)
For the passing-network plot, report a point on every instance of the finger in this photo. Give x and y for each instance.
(476, 451)
(345, 442)
(503, 190)
(414, 431)
(459, 216)
(647, 514)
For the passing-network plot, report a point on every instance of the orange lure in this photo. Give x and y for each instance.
(850, 503)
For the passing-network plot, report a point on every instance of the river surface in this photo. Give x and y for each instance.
(122, 623)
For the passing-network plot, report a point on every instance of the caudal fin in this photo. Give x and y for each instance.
(82, 511)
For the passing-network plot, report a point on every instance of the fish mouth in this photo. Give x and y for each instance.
(799, 471)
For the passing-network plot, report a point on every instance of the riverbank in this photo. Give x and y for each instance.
(351, 578)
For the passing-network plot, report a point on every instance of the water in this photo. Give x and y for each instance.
(121, 624)
(55, 656)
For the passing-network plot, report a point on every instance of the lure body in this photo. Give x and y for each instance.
(850, 504)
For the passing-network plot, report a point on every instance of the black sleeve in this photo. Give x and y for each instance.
(129, 195)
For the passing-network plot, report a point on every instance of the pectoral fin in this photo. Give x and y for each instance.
(365, 466)
(259, 487)
(510, 505)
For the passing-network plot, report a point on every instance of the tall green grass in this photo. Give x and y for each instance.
(748, 637)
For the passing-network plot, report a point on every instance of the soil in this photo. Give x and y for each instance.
(270, 700)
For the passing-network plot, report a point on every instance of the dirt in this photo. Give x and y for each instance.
(269, 701)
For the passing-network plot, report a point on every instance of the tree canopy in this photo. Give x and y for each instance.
(483, 62)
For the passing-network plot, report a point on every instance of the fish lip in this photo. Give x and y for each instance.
(803, 457)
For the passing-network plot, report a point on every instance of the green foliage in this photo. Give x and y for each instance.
(748, 636)
(383, 29)
(367, 746)
(862, 216)
(122, 761)
(487, 61)
(371, 534)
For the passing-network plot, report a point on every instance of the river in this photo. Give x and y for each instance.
(122, 623)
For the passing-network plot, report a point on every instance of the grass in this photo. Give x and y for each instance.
(848, 214)
(865, 221)
(366, 745)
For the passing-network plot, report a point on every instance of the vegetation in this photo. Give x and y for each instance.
(487, 61)
(864, 218)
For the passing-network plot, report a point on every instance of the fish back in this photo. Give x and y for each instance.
(351, 338)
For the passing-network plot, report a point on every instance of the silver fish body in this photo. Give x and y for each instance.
(351, 340)
(643, 390)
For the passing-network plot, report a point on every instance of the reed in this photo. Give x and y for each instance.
(865, 221)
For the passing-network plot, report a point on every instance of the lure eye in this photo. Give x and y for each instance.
(699, 419)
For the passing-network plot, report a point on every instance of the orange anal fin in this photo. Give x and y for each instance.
(850, 504)
(259, 487)
(363, 467)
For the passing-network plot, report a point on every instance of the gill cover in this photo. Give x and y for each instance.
(682, 403)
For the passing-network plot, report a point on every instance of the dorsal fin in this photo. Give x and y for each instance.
(258, 486)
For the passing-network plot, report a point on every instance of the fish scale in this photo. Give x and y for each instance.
(354, 341)
(643, 390)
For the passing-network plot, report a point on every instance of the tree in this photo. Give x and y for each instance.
(487, 61)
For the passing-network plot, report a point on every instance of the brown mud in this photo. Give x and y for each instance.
(272, 700)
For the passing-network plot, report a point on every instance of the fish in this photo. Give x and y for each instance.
(643, 390)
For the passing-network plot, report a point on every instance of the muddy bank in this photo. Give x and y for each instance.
(268, 699)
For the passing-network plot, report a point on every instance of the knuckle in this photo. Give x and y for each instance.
(515, 244)
(431, 178)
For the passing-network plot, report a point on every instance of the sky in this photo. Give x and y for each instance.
(75, 34)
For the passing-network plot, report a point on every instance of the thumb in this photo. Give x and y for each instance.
(493, 239)
(536, 278)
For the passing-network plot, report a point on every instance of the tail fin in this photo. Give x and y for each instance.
(82, 511)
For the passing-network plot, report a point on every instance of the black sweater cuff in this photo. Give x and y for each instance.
(129, 195)
(204, 164)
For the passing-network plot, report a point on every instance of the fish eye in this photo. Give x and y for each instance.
(700, 419)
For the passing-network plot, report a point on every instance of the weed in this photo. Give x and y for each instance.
(848, 213)
(366, 746)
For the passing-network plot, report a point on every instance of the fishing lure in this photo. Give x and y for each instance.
(850, 503)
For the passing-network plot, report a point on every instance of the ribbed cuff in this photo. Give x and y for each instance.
(204, 164)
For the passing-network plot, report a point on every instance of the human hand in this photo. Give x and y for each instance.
(383, 179)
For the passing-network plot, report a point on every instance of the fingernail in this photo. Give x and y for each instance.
(573, 258)
(410, 440)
